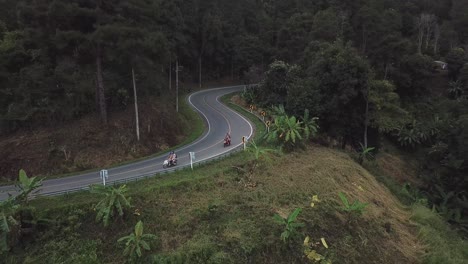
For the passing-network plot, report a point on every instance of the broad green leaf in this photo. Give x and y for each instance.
(139, 229)
(344, 200)
(279, 219)
(293, 215)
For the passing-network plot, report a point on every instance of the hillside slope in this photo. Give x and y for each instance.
(223, 213)
(87, 144)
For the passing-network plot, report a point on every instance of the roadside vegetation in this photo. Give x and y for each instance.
(315, 205)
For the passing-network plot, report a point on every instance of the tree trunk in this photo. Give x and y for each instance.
(420, 24)
(177, 85)
(136, 106)
(386, 71)
(199, 71)
(232, 69)
(100, 85)
(420, 40)
(364, 40)
(170, 73)
(366, 120)
(436, 37)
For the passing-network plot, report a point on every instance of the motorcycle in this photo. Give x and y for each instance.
(227, 142)
(169, 163)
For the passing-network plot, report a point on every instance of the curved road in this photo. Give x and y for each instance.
(218, 120)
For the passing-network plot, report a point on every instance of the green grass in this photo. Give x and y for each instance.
(444, 244)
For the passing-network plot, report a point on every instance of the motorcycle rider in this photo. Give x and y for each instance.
(171, 158)
(227, 138)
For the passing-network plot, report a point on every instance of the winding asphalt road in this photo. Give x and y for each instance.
(218, 118)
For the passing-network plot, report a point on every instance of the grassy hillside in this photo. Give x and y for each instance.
(223, 213)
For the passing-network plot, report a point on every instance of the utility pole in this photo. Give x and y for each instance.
(177, 85)
(178, 69)
(136, 105)
(170, 73)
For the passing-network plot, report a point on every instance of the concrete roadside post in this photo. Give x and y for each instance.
(104, 175)
(192, 158)
(244, 139)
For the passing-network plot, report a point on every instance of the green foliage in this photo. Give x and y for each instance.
(291, 226)
(257, 150)
(365, 153)
(446, 245)
(357, 208)
(136, 242)
(287, 131)
(114, 202)
(310, 125)
(341, 77)
(277, 111)
(455, 89)
(412, 75)
(248, 95)
(273, 89)
(385, 113)
(27, 186)
(199, 249)
(455, 59)
(412, 135)
(67, 250)
(8, 221)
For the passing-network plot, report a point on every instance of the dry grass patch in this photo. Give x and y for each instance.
(401, 170)
(326, 172)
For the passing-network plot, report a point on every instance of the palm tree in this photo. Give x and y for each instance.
(114, 200)
(135, 242)
(27, 185)
(8, 210)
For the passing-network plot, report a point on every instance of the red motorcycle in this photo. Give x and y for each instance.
(227, 142)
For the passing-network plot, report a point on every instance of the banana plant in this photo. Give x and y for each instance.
(278, 111)
(27, 186)
(286, 130)
(310, 125)
(114, 201)
(136, 242)
(8, 210)
(365, 153)
(258, 151)
(356, 208)
(290, 224)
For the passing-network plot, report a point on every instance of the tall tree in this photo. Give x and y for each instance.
(342, 77)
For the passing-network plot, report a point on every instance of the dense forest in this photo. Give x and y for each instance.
(366, 68)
